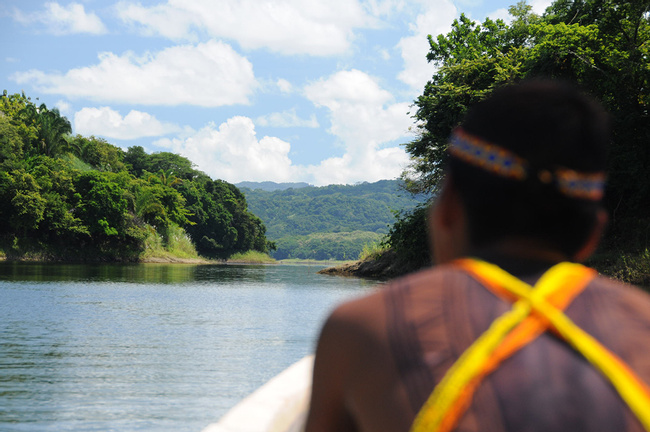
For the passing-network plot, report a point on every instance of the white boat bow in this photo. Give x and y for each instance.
(280, 405)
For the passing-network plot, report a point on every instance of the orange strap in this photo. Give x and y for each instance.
(534, 311)
(526, 332)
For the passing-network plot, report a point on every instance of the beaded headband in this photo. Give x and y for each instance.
(504, 163)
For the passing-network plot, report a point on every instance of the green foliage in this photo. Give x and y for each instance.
(602, 45)
(221, 222)
(251, 257)
(408, 237)
(373, 251)
(98, 153)
(325, 246)
(64, 197)
(297, 219)
(52, 130)
(176, 244)
(11, 143)
(334, 208)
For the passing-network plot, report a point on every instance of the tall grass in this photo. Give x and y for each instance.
(177, 244)
(372, 251)
(251, 257)
(632, 268)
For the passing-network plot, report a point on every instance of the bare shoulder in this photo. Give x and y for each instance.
(363, 320)
(635, 300)
(342, 347)
(353, 331)
(356, 383)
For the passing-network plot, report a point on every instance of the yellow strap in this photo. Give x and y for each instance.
(434, 414)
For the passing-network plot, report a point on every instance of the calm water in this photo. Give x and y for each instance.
(150, 347)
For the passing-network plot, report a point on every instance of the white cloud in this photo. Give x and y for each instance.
(379, 165)
(364, 117)
(109, 123)
(314, 27)
(347, 88)
(62, 20)
(284, 85)
(234, 153)
(502, 14)
(209, 74)
(362, 113)
(287, 119)
(64, 107)
(435, 20)
(539, 6)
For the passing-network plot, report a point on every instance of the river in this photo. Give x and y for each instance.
(151, 347)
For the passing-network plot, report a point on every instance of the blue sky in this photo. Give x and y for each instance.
(249, 90)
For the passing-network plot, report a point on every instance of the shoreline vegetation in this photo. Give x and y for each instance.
(72, 198)
(625, 267)
(378, 262)
(250, 257)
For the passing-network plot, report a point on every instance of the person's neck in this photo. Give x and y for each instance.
(519, 256)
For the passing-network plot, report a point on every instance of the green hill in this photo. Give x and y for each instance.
(330, 222)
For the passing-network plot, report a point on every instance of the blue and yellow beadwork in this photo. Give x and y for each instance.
(488, 156)
(497, 160)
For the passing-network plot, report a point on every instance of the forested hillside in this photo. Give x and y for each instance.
(65, 197)
(330, 222)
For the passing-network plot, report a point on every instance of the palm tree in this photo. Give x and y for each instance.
(166, 177)
(53, 129)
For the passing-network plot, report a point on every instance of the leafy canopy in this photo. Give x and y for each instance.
(602, 45)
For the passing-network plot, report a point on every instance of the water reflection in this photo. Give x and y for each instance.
(138, 273)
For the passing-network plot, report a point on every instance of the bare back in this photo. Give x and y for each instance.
(380, 357)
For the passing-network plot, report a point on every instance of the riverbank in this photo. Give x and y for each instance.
(630, 268)
(177, 260)
(154, 259)
(381, 266)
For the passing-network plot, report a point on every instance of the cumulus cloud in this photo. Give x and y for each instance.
(234, 153)
(364, 117)
(362, 113)
(287, 119)
(209, 74)
(109, 123)
(435, 20)
(61, 20)
(379, 165)
(315, 27)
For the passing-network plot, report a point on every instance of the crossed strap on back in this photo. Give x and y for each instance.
(534, 311)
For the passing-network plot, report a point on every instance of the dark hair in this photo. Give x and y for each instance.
(550, 125)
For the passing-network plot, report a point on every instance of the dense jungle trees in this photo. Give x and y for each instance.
(602, 45)
(74, 197)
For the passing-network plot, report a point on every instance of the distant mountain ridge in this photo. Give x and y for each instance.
(270, 186)
(328, 222)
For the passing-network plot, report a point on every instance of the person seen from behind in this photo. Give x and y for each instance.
(507, 331)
